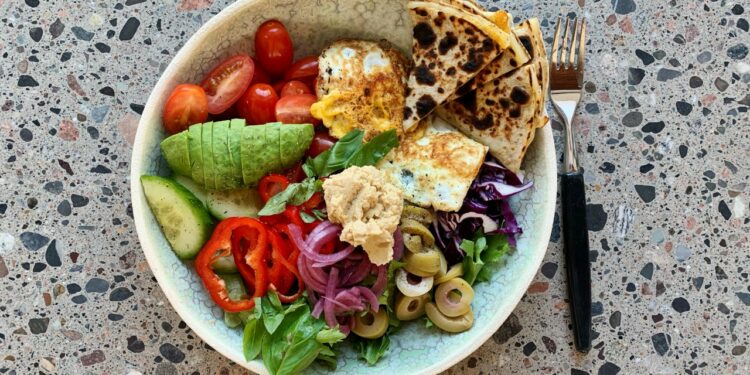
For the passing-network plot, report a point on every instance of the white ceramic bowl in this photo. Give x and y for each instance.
(313, 24)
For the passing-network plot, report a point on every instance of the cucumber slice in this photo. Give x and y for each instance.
(224, 265)
(182, 217)
(194, 188)
(236, 290)
(234, 203)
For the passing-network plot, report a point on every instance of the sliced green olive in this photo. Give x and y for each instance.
(414, 227)
(411, 285)
(443, 266)
(412, 242)
(456, 270)
(371, 325)
(417, 213)
(410, 308)
(454, 297)
(448, 324)
(426, 263)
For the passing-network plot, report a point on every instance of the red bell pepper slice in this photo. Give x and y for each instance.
(220, 245)
(250, 251)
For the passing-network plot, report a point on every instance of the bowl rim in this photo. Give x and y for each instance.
(202, 330)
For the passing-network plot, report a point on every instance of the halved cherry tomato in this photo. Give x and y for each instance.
(260, 76)
(186, 105)
(295, 173)
(305, 70)
(271, 185)
(294, 88)
(320, 143)
(273, 47)
(295, 109)
(258, 104)
(226, 82)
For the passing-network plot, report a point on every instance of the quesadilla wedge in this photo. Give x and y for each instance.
(502, 114)
(529, 34)
(450, 47)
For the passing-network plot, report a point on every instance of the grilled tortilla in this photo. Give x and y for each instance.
(529, 34)
(502, 114)
(450, 47)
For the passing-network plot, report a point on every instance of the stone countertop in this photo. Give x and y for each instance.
(663, 135)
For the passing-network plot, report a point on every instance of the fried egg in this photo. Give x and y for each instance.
(361, 85)
(437, 169)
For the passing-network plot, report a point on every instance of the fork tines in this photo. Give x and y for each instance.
(574, 35)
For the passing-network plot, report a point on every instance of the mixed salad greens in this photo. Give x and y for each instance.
(247, 202)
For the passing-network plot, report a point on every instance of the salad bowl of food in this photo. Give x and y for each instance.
(334, 187)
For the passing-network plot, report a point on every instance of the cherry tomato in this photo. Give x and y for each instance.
(258, 104)
(226, 82)
(313, 202)
(271, 185)
(295, 109)
(294, 88)
(278, 85)
(273, 47)
(260, 76)
(186, 105)
(295, 173)
(305, 70)
(320, 143)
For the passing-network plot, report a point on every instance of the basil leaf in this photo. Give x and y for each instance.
(320, 214)
(306, 218)
(272, 317)
(274, 299)
(252, 338)
(299, 356)
(295, 194)
(335, 158)
(374, 150)
(330, 336)
(372, 350)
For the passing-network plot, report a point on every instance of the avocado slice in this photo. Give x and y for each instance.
(175, 151)
(254, 166)
(209, 171)
(294, 140)
(270, 149)
(234, 141)
(222, 165)
(195, 148)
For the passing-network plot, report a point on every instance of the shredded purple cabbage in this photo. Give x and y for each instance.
(485, 206)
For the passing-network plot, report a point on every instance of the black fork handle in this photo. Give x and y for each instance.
(576, 248)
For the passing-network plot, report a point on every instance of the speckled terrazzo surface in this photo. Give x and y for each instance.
(663, 137)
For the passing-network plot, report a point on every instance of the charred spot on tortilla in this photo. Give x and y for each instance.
(448, 42)
(407, 112)
(451, 71)
(519, 95)
(425, 105)
(474, 63)
(424, 75)
(440, 90)
(515, 112)
(484, 123)
(422, 12)
(488, 44)
(490, 102)
(367, 91)
(431, 66)
(424, 35)
(513, 63)
(469, 101)
(526, 42)
(505, 103)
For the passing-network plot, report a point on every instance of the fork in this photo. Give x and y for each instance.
(566, 80)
